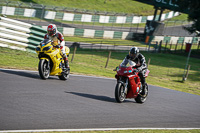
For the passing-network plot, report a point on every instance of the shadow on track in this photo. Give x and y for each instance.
(91, 96)
(96, 97)
(24, 74)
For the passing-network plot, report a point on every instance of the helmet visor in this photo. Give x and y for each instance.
(50, 32)
(133, 56)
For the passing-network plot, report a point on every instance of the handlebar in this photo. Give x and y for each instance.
(57, 46)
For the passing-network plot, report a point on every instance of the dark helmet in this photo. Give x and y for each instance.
(133, 53)
(51, 29)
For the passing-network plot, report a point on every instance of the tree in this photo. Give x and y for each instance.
(193, 7)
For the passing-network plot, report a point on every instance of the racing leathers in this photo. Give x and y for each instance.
(140, 66)
(58, 39)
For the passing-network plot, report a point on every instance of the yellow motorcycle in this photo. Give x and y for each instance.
(51, 61)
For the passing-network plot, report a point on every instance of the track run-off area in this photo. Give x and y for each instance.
(85, 102)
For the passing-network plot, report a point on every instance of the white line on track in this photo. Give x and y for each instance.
(96, 129)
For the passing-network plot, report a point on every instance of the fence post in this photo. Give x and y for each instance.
(187, 73)
(101, 45)
(176, 46)
(182, 47)
(166, 46)
(156, 47)
(148, 62)
(108, 59)
(198, 45)
(170, 47)
(74, 53)
(160, 46)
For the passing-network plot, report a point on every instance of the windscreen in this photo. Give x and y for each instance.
(127, 63)
(44, 42)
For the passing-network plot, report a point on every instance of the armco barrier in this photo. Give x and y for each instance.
(66, 31)
(24, 35)
(43, 12)
(175, 40)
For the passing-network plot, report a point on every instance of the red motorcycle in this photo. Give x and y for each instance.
(129, 85)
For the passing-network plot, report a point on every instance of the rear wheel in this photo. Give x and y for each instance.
(120, 93)
(44, 69)
(142, 97)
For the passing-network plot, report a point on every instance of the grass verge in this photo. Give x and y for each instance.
(106, 41)
(166, 69)
(116, 6)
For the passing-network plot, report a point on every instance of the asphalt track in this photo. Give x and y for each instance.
(27, 103)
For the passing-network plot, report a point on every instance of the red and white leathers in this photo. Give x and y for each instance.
(57, 39)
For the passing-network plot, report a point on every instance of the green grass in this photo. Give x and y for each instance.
(106, 41)
(166, 69)
(180, 17)
(117, 6)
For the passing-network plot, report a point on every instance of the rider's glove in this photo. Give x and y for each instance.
(135, 70)
(116, 69)
(57, 46)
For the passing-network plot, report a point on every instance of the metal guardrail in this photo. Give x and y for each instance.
(43, 15)
(21, 34)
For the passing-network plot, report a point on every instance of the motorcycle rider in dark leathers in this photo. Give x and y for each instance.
(140, 62)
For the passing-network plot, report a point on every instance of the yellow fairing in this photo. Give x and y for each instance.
(55, 56)
(56, 59)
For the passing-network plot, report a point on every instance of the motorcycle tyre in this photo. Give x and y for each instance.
(118, 89)
(64, 76)
(42, 68)
(141, 98)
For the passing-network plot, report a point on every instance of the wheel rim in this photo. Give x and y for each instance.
(45, 70)
(145, 94)
(122, 94)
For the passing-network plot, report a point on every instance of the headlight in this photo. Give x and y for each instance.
(47, 48)
(125, 71)
(37, 49)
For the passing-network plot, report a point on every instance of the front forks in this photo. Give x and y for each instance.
(125, 84)
(48, 64)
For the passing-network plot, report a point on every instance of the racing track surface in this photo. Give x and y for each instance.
(27, 102)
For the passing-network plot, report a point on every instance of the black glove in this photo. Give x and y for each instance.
(57, 46)
(116, 69)
(135, 70)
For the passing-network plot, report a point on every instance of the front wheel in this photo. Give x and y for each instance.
(120, 93)
(142, 97)
(44, 69)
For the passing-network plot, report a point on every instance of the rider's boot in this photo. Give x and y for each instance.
(66, 64)
(143, 88)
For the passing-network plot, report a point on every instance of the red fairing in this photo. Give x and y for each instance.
(133, 91)
(134, 80)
